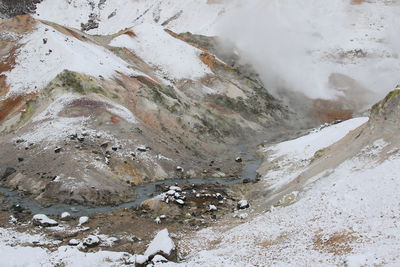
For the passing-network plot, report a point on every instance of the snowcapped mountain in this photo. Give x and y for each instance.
(100, 97)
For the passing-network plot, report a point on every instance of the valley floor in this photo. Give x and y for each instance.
(346, 215)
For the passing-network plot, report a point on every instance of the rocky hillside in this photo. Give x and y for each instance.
(85, 117)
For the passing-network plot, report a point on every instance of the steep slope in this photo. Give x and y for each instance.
(341, 210)
(85, 117)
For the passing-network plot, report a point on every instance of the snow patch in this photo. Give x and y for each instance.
(37, 63)
(172, 57)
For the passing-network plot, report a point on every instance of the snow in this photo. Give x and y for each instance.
(16, 250)
(161, 244)
(140, 259)
(304, 148)
(172, 57)
(36, 66)
(292, 157)
(158, 259)
(347, 216)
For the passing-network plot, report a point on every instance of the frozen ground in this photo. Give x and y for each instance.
(348, 215)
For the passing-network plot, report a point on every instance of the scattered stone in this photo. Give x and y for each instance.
(246, 181)
(104, 145)
(162, 217)
(65, 216)
(74, 242)
(43, 220)
(20, 159)
(212, 208)
(243, 204)
(57, 149)
(83, 220)
(13, 220)
(91, 241)
(17, 208)
(142, 148)
(175, 188)
(171, 192)
(179, 169)
(243, 216)
(180, 201)
(238, 159)
(81, 138)
(157, 220)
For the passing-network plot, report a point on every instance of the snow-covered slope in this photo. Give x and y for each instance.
(46, 52)
(349, 217)
(15, 252)
(114, 15)
(342, 210)
(171, 57)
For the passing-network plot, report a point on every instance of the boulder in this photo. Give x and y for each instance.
(163, 245)
(65, 216)
(83, 220)
(43, 220)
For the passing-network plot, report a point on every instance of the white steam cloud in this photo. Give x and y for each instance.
(299, 44)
